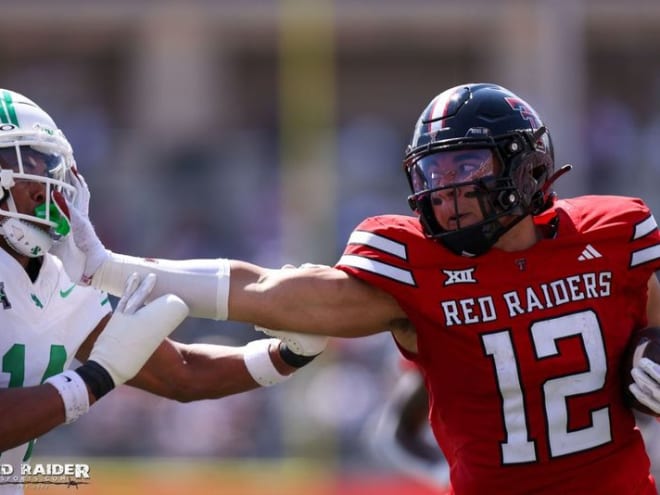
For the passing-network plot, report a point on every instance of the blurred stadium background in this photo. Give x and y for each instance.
(266, 130)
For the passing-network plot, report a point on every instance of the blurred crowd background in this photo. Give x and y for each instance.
(266, 130)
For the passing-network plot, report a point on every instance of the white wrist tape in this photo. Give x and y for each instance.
(202, 284)
(259, 365)
(73, 391)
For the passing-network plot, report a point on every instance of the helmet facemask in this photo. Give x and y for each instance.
(506, 192)
(488, 117)
(32, 233)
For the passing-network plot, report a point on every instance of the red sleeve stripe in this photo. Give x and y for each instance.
(379, 242)
(645, 227)
(378, 267)
(645, 255)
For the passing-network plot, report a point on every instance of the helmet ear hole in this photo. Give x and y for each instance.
(538, 203)
(540, 169)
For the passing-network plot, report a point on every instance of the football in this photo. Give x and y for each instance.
(651, 351)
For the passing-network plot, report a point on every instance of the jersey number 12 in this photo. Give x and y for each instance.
(518, 447)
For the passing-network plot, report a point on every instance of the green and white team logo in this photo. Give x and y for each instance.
(7, 110)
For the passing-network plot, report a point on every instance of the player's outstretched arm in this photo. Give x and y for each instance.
(314, 300)
(317, 299)
(84, 257)
(130, 337)
(188, 372)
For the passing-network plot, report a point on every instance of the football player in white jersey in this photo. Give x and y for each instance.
(47, 320)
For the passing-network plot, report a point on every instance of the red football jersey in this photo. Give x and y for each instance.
(521, 350)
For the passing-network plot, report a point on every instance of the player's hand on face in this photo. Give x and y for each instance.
(82, 253)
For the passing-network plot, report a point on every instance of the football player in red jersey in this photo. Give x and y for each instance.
(517, 307)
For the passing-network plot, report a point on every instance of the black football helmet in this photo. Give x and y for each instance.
(490, 119)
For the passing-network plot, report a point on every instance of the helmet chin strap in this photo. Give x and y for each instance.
(477, 239)
(23, 237)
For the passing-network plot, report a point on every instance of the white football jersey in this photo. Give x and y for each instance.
(42, 326)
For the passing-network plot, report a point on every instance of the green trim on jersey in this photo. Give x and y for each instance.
(37, 302)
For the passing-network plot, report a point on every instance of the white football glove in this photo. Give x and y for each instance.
(135, 331)
(302, 344)
(81, 251)
(646, 383)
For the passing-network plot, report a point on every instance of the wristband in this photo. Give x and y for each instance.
(259, 365)
(293, 359)
(97, 378)
(74, 394)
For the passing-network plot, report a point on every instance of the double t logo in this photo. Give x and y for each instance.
(525, 111)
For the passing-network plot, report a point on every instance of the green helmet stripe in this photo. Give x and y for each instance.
(7, 111)
(3, 115)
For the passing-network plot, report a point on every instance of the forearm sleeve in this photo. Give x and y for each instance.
(202, 284)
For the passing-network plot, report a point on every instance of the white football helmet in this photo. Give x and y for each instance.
(32, 148)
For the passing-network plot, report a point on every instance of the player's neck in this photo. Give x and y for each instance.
(522, 236)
